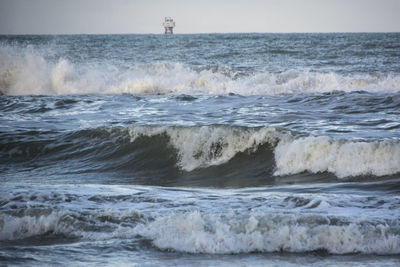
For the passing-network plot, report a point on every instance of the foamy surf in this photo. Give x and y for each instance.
(30, 72)
(210, 233)
(186, 221)
(197, 232)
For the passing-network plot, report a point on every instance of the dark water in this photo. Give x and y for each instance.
(220, 149)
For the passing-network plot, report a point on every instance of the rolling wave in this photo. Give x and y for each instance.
(205, 151)
(29, 72)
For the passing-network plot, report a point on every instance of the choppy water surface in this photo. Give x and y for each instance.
(220, 149)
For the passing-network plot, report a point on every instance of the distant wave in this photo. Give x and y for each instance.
(196, 148)
(28, 72)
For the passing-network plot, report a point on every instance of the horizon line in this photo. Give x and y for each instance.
(186, 33)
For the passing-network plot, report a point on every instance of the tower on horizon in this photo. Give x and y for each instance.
(169, 25)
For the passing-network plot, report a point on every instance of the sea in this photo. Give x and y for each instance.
(243, 149)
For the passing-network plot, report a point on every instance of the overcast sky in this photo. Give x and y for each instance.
(200, 16)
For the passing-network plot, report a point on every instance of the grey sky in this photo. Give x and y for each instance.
(201, 16)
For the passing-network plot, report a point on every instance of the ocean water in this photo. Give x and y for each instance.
(210, 149)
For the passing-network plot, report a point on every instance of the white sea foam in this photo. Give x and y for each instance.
(195, 232)
(26, 71)
(343, 158)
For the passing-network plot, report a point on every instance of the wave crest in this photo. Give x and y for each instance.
(204, 146)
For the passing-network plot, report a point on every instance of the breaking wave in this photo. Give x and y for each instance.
(263, 150)
(201, 147)
(204, 146)
(29, 72)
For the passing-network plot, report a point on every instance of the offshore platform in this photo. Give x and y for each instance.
(169, 25)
